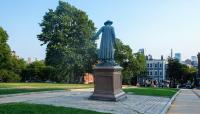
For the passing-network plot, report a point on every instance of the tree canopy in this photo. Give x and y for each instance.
(5, 52)
(67, 32)
(37, 71)
(10, 66)
(179, 73)
(134, 64)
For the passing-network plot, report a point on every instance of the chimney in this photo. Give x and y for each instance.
(161, 57)
(146, 57)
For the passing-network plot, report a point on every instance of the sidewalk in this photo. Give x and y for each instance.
(187, 102)
(197, 92)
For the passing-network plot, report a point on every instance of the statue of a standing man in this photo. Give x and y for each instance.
(106, 53)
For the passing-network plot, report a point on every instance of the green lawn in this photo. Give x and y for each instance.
(162, 92)
(24, 108)
(45, 85)
(12, 88)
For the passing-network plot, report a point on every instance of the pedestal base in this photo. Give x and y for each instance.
(108, 84)
(106, 97)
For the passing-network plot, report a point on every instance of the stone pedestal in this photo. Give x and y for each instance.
(108, 83)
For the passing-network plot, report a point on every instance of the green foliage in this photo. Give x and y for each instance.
(8, 76)
(18, 65)
(133, 64)
(174, 70)
(68, 32)
(3, 36)
(188, 74)
(179, 73)
(38, 71)
(5, 52)
(25, 108)
(10, 66)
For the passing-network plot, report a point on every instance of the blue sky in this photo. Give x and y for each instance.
(156, 25)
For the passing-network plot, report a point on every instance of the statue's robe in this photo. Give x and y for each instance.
(107, 43)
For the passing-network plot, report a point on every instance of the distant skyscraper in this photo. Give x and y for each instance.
(141, 50)
(194, 58)
(178, 56)
(194, 61)
(29, 60)
(188, 62)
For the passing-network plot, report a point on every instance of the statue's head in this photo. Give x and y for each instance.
(108, 22)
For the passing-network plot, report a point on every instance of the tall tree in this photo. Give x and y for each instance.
(68, 32)
(5, 52)
(174, 71)
(134, 64)
(9, 70)
(18, 64)
(179, 73)
(189, 74)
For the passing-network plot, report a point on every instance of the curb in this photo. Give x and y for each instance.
(166, 108)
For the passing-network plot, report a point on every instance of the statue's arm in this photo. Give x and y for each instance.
(98, 33)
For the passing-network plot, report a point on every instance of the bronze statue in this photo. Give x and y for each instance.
(108, 78)
(106, 53)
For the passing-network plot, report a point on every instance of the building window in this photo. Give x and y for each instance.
(161, 73)
(160, 65)
(150, 65)
(150, 73)
(156, 73)
(156, 65)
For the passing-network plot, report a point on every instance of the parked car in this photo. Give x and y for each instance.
(188, 86)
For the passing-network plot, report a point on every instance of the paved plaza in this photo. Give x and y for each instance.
(134, 104)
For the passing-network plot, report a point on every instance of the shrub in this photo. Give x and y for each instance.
(9, 76)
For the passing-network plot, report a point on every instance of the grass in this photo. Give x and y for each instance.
(25, 108)
(13, 88)
(162, 92)
(45, 85)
